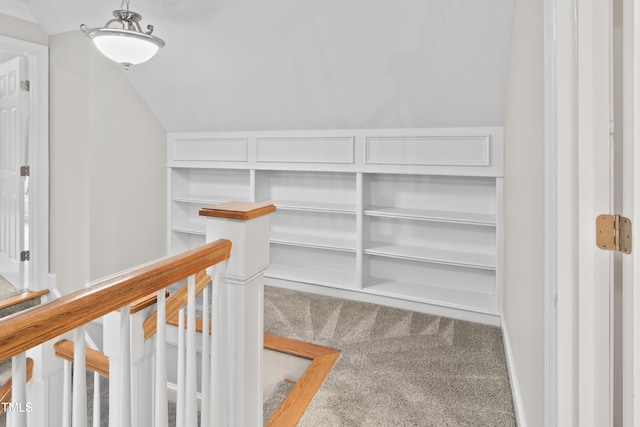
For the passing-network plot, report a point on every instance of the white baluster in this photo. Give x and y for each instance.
(180, 403)
(96, 400)
(206, 368)
(125, 367)
(160, 404)
(219, 360)
(191, 384)
(19, 390)
(66, 395)
(79, 379)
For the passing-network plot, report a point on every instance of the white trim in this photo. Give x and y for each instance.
(577, 328)
(358, 295)
(560, 208)
(550, 212)
(631, 209)
(518, 404)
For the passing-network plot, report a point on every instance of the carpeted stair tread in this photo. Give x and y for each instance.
(5, 371)
(13, 300)
(19, 302)
(275, 398)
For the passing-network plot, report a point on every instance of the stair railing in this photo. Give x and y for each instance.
(231, 391)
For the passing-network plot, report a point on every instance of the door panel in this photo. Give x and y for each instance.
(12, 157)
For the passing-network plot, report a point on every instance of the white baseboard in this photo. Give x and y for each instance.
(513, 378)
(355, 295)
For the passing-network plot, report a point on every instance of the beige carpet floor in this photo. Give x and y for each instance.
(397, 368)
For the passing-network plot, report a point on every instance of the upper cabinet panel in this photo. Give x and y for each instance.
(216, 149)
(466, 151)
(305, 149)
(428, 151)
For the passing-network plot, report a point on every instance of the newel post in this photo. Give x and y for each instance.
(237, 311)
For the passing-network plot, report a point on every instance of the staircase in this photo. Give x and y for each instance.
(222, 376)
(97, 363)
(98, 370)
(13, 300)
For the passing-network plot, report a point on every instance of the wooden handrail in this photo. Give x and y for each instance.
(94, 360)
(174, 303)
(5, 390)
(23, 331)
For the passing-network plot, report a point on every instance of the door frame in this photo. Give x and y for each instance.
(38, 157)
(631, 209)
(578, 187)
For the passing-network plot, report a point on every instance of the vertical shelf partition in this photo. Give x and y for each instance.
(400, 216)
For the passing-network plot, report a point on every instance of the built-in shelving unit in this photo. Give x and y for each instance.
(409, 217)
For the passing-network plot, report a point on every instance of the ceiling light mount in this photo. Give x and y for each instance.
(122, 39)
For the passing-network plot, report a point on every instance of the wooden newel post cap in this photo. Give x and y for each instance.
(242, 211)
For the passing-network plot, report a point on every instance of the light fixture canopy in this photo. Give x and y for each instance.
(122, 40)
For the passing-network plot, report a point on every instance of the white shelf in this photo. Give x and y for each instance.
(205, 199)
(432, 215)
(314, 276)
(440, 256)
(190, 230)
(322, 242)
(433, 295)
(406, 214)
(298, 205)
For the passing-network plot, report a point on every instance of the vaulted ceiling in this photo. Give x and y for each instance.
(301, 64)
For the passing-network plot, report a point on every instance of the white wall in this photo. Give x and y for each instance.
(524, 207)
(22, 30)
(108, 176)
(286, 64)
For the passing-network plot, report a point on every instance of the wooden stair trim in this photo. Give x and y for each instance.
(144, 302)
(173, 321)
(174, 303)
(5, 390)
(21, 297)
(94, 359)
(322, 360)
(296, 348)
(42, 323)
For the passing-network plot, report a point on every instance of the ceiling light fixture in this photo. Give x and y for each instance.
(122, 40)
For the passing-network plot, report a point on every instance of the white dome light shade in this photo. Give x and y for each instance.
(122, 40)
(127, 48)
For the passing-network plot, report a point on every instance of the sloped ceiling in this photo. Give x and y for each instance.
(301, 64)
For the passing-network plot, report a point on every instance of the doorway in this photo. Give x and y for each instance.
(24, 163)
(14, 181)
(592, 307)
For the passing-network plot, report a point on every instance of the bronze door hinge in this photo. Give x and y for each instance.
(613, 233)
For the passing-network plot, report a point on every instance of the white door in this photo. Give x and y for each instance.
(13, 155)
